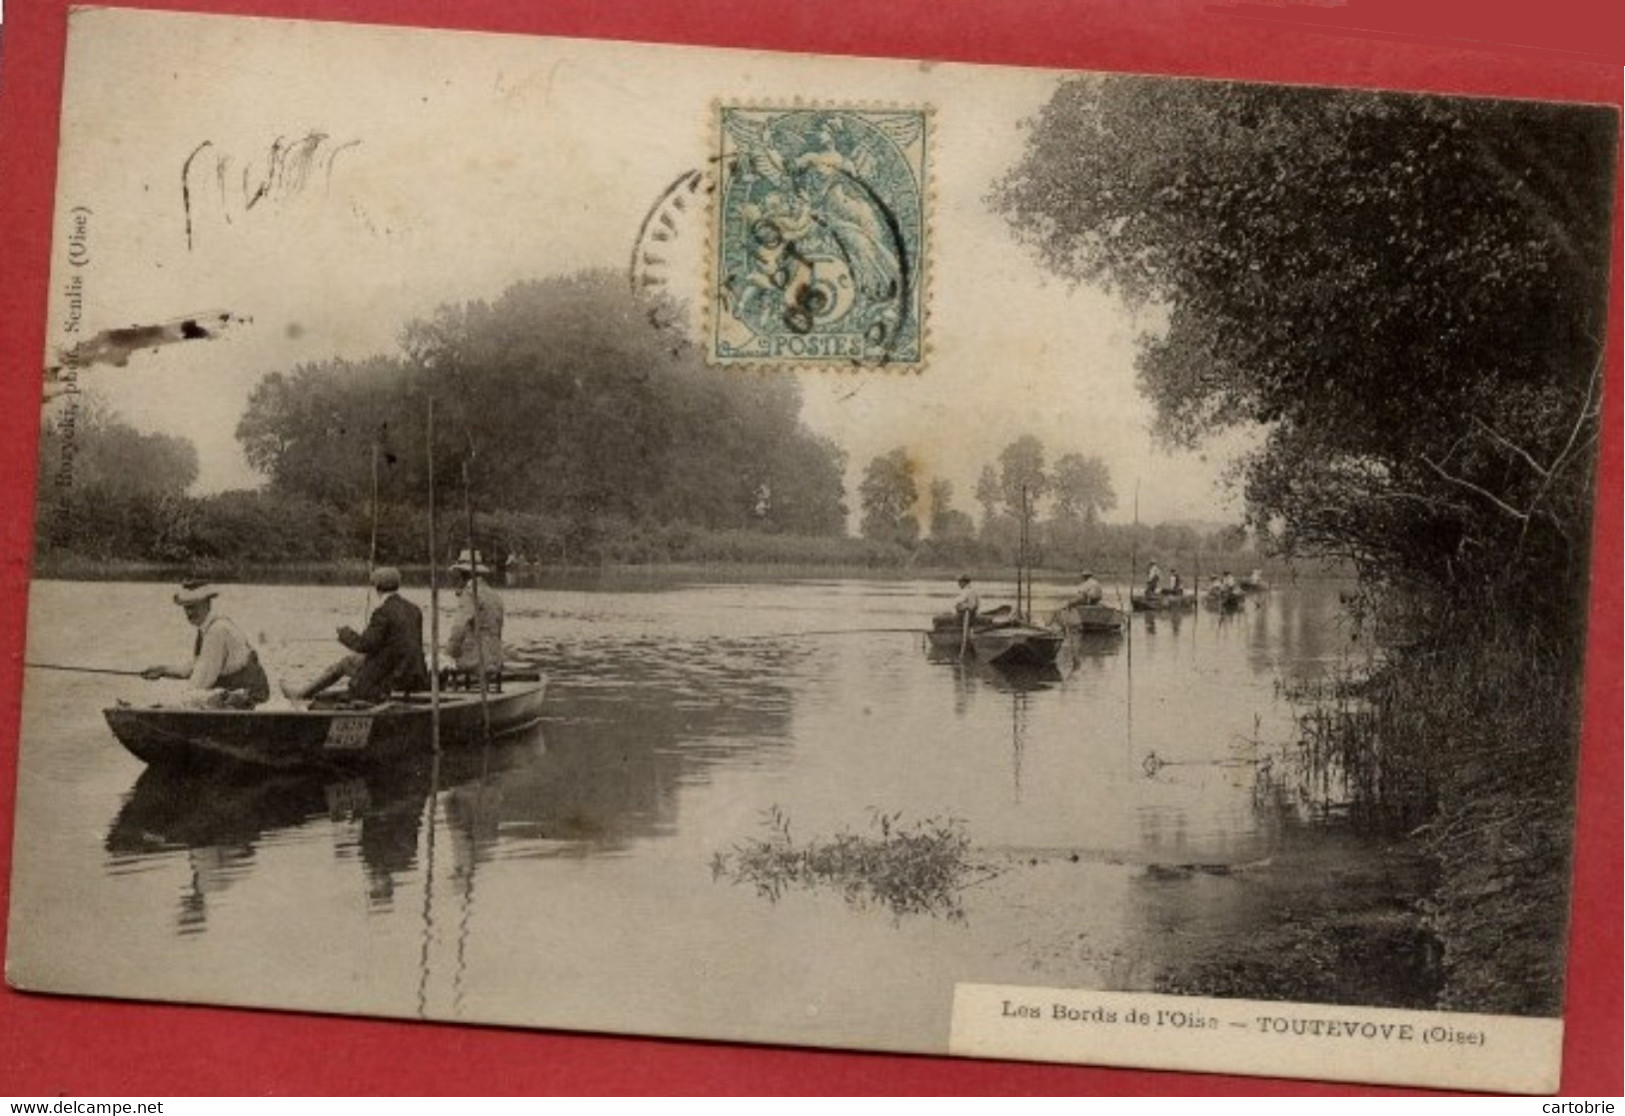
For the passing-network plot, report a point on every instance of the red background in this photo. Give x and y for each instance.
(1569, 49)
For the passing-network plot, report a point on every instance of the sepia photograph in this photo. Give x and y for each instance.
(834, 552)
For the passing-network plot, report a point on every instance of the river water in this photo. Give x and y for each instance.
(1128, 816)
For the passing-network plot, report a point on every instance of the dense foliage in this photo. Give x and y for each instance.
(1408, 295)
(1408, 292)
(889, 495)
(559, 398)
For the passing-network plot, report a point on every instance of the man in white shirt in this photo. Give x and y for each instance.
(968, 601)
(1089, 590)
(475, 640)
(224, 669)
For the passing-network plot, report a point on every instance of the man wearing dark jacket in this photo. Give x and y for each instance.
(385, 659)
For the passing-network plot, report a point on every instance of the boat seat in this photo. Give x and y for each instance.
(454, 679)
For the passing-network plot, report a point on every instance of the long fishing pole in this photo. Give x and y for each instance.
(372, 552)
(85, 669)
(434, 601)
(474, 591)
(1133, 568)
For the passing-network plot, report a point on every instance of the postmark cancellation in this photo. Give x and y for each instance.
(819, 247)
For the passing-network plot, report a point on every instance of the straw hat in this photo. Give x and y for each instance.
(195, 592)
(471, 561)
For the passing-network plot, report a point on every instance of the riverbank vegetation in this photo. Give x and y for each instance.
(1408, 295)
(91, 532)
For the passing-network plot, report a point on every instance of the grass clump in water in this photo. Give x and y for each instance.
(909, 868)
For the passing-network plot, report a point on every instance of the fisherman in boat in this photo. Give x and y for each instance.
(1089, 590)
(1228, 582)
(386, 658)
(475, 642)
(1176, 587)
(224, 667)
(967, 603)
(1153, 579)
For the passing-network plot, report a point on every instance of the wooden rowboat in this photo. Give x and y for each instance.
(1090, 619)
(948, 632)
(337, 735)
(1163, 602)
(1018, 645)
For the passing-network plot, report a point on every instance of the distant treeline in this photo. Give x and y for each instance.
(87, 528)
(582, 433)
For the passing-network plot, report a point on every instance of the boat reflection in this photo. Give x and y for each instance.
(1170, 619)
(221, 820)
(1017, 681)
(606, 776)
(1005, 677)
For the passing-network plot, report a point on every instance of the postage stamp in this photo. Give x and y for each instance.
(819, 248)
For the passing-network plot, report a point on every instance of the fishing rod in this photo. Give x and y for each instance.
(531, 647)
(434, 598)
(474, 593)
(372, 553)
(86, 670)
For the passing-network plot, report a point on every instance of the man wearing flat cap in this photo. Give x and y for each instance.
(387, 658)
(223, 664)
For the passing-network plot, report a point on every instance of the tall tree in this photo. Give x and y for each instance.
(1082, 488)
(1022, 479)
(561, 398)
(987, 495)
(947, 522)
(888, 494)
(311, 431)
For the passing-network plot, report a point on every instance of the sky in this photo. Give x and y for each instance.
(433, 167)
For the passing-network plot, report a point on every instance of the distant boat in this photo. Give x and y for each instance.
(1018, 645)
(1003, 636)
(1253, 585)
(1164, 601)
(322, 736)
(1090, 619)
(1224, 599)
(999, 637)
(949, 634)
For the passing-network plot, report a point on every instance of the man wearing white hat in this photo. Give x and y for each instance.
(1089, 590)
(223, 663)
(476, 630)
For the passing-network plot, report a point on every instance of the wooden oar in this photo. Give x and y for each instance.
(964, 633)
(85, 670)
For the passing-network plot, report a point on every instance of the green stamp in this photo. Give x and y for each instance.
(819, 247)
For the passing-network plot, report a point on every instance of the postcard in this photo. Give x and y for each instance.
(836, 552)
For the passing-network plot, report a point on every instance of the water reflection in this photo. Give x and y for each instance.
(221, 820)
(674, 719)
(627, 723)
